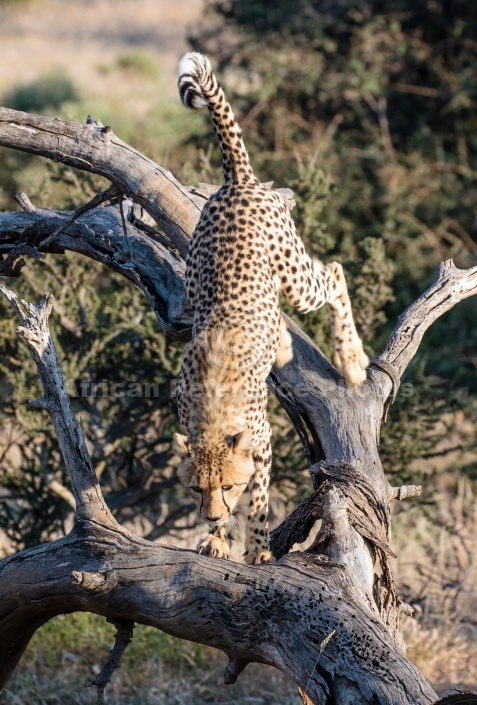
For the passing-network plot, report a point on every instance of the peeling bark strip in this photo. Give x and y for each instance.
(329, 618)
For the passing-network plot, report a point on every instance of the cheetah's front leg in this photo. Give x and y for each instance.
(256, 542)
(348, 354)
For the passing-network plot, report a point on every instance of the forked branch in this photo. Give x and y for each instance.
(451, 286)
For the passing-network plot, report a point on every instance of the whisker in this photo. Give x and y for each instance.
(233, 527)
(199, 526)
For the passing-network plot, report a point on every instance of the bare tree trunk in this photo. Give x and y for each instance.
(329, 617)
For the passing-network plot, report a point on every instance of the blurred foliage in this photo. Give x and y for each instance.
(19, 171)
(368, 111)
(138, 61)
(10, 3)
(45, 95)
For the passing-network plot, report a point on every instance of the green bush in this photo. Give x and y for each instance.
(45, 95)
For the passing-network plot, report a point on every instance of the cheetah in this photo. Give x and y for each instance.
(244, 253)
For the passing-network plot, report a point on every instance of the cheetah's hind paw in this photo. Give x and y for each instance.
(352, 364)
(214, 546)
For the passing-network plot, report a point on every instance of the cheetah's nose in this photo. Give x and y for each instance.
(214, 518)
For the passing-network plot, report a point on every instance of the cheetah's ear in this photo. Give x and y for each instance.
(180, 445)
(242, 441)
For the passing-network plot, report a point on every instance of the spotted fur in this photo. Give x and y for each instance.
(244, 252)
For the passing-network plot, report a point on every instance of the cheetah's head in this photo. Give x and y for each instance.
(216, 472)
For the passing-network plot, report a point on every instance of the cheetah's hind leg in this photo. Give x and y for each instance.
(348, 354)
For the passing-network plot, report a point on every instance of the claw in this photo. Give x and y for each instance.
(214, 546)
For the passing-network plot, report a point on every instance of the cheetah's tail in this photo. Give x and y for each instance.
(198, 87)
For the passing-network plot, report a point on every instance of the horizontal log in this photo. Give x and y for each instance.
(279, 614)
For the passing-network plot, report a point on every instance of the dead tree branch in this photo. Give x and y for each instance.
(100, 198)
(95, 148)
(250, 613)
(35, 332)
(122, 638)
(98, 234)
(452, 285)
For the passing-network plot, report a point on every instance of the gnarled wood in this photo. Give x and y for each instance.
(279, 614)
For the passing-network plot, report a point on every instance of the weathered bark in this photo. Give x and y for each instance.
(149, 264)
(279, 614)
(93, 147)
(331, 617)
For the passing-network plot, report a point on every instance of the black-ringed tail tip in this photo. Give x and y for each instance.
(195, 77)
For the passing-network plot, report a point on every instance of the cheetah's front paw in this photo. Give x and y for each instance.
(352, 362)
(214, 546)
(257, 557)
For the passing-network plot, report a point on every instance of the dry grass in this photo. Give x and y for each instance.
(121, 57)
(82, 38)
(436, 572)
(156, 669)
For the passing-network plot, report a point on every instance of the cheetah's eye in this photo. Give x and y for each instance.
(194, 488)
(226, 488)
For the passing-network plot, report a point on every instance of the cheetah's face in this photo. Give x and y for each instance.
(216, 473)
